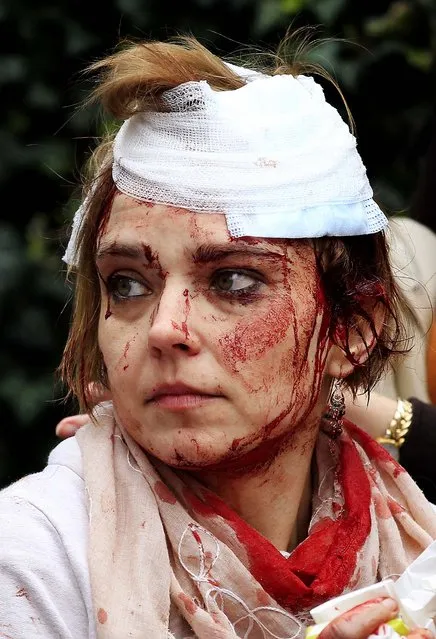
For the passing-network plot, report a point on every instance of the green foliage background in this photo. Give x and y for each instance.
(388, 80)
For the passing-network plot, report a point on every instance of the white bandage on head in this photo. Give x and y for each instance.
(273, 156)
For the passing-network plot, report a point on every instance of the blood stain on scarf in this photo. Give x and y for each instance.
(164, 493)
(102, 616)
(190, 605)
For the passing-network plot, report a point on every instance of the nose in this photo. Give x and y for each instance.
(171, 323)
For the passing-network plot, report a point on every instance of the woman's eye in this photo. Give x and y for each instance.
(124, 287)
(234, 282)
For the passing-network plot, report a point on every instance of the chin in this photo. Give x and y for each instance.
(195, 447)
(197, 458)
(192, 451)
(193, 456)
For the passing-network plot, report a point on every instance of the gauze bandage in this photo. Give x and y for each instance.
(272, 156)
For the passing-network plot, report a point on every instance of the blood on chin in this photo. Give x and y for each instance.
(233, 462)
(196, 451)
(240, 459)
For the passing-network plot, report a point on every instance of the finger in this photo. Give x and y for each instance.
(420, 633)
(97, 393)
(362, 620)
(70, 425)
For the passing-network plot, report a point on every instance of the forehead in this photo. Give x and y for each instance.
(132, 219)
(167, 228)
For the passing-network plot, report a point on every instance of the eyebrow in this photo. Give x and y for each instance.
(204, 254)
(207, 253)
(134, 251)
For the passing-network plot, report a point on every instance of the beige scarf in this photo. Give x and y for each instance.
(168, 558)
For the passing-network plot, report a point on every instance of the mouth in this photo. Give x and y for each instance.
(180, 396)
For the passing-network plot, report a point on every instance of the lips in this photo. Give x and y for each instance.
(177, 389)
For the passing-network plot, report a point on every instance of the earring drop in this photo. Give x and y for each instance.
(331, 421)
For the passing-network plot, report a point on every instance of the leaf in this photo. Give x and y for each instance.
(326, 11)
(270, 13)
(27, 397)
(12, 69)
(396, 20)
(420, 58)
(293, 6)
(11, 258)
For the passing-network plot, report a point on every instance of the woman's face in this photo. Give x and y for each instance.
(215, 347)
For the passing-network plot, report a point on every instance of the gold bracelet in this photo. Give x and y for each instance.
(399, 427)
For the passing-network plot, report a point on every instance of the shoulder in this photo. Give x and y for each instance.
(56, 495)
(44, 582)
(413, 246)
(406, 229)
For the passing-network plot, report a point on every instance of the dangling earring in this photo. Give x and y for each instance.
(331, 421)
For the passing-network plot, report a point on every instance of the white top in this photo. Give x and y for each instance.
(44, 581)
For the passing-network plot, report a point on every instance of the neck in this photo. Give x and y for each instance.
(276, 500)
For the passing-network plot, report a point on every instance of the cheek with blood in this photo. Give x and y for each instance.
(108, 312)
(108, 308)
(292, 310)
(304, 318)
(302, 365)
(124, 362)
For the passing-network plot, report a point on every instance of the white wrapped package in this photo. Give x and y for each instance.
(415, 592)
(386, 632)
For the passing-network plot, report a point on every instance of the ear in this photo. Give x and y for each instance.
(353, 344)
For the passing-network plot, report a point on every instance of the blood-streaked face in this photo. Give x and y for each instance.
(215, 347)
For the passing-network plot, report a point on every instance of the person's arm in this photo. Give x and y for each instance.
(39, 592)
(417, 454)
(45, 589)
(373, 416)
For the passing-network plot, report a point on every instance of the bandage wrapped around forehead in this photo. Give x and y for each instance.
(272, 156)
